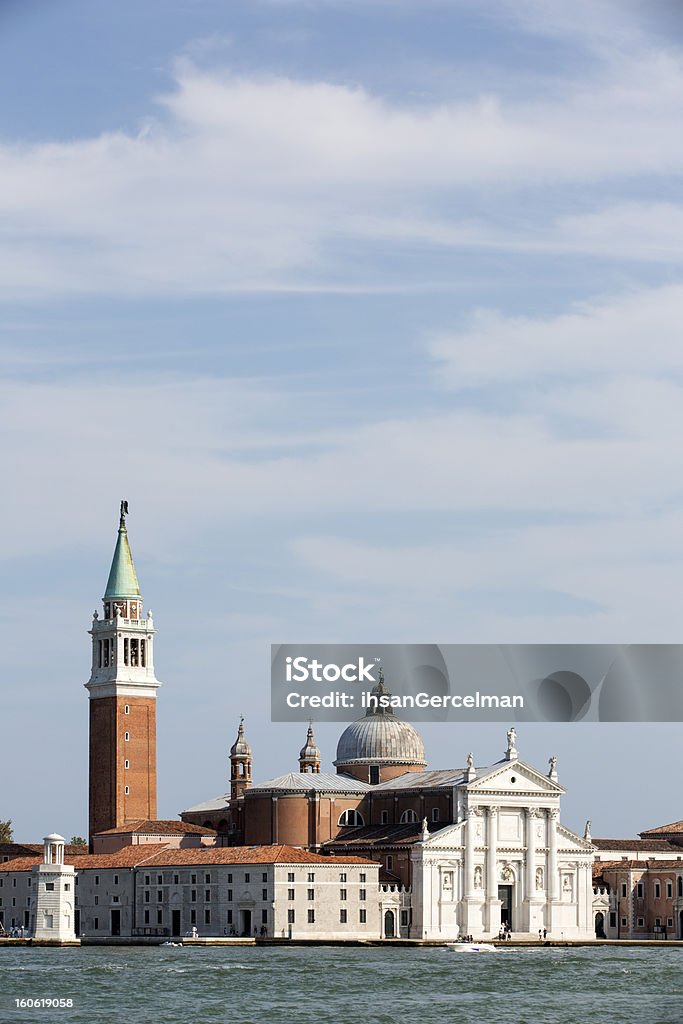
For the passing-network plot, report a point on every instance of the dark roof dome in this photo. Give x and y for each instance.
(380, 737)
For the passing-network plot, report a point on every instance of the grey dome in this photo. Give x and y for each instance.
(380, 737)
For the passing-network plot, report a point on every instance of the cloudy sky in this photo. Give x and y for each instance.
(372, 311)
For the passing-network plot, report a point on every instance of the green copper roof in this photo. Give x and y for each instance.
(122, 580)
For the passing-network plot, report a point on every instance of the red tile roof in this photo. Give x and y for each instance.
(168, 856)
(158, 828)
(641, 845)
(250, 855)
(675, 828)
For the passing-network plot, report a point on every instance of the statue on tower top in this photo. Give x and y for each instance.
(124, 512)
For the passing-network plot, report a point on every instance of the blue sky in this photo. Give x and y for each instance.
(372, 312)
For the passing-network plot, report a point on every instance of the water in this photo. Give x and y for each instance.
(311, 985)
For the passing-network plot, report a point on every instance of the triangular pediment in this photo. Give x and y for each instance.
(514, 777)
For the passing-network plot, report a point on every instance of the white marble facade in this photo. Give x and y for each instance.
(508, 858)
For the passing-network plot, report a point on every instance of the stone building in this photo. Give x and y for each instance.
(638, 885)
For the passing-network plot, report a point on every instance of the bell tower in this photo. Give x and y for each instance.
(122, 690)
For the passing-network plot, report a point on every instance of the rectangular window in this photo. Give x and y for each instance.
(207, 895)
(207, 916)
(193, 917)
(230, 917)
(207, 879)
(160, 916)
(160, 896)
(435, 813)
(311, 894)
(97, 900)
(669, 922)
(342, 876)
(176, 879)
(639, 890)
(362, 894)
(126, 764)
(374, 774)
(623, 889)
(229, 877)
(612, 920)
(247, 877)
(404, 918)
(290, 917)
(669, 890)
(193, 879)
(264, 876)
(384, 818)
(116, 879)
(96, 923)
(160, 879)
(229, 895)
(342, 917)
(311, 876)
(146, 895)
(264, 917)
(623, 922)
(28, 882)
(658, 922)
(390, 863)
(146, 879)
(193, 895)
(264, 894)
(147, 917)
(49, 887)
(363, 916)
(67, 888)
(311, 916)
(125, 651)
(126, 710)
(658, 890)
(361, 877)
(342, 894)
(290, 876)
(290, 894)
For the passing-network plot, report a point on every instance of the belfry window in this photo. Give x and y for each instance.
(142, 653)
(134, 653)
(125, 651)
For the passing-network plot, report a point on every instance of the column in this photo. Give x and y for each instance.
(530, 873)
(492, 901)
(553, 875)
(469, 852)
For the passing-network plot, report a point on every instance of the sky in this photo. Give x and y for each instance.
(371, 310)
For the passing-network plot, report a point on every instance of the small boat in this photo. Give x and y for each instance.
(471, 947)
(170, 943)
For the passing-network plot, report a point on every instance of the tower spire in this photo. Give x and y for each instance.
(309, 755)
(122, 584)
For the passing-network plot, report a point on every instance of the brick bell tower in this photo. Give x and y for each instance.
(122, 690)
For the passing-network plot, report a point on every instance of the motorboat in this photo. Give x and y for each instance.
(471, 947)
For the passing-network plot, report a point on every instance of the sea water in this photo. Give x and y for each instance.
(373, 985)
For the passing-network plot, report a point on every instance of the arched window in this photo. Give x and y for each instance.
(408, 817)
(680, 885)
(351, 817)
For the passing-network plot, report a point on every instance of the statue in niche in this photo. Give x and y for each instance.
(567, 885)
(478, 878)
(539, 878)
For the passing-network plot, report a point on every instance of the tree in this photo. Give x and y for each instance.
(6, 834)
(78, 841)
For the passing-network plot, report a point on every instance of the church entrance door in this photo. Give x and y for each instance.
(505, 897)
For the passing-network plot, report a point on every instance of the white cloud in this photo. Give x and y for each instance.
(248, 182)
(635, 333)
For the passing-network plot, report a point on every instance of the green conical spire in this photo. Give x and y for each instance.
(122, 581)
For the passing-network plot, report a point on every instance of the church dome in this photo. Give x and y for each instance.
(381, 738)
